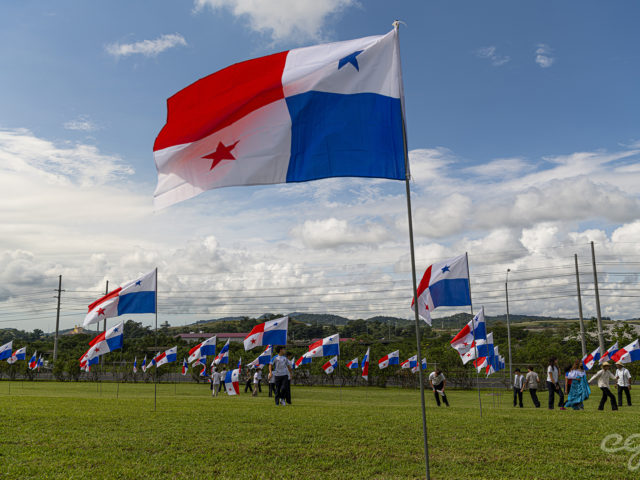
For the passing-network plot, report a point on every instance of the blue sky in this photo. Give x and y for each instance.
(522, 122)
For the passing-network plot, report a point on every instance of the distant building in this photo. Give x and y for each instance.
(222, 337)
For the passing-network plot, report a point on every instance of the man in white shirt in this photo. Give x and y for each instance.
(438, 381)
(256, 379)
(603, 377)
(623, 383)
(518, 384)
(280, 368)
(553, 383)
(215, 382)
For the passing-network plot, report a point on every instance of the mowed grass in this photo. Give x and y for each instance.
(80, 430)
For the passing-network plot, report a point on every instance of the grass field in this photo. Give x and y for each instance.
(80, 430)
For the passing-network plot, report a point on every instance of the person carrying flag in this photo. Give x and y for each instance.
(438, 381)
(280, 368)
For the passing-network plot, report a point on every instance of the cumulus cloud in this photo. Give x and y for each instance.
(543, 55)
(490, 53)
(332, 232)
(147, 48)
(284, 19)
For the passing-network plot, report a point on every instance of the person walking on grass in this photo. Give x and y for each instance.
(280, 368)
(438, 381)
(623, 383)
(576, 386)
(518, 385)
(603, 377)
(215, 382)
(553, 384)
(289, 378)
(531, 382)
(272, 384)
(223, 375)
(248, 378)
(256, 380)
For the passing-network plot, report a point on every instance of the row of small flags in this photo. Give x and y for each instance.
(474, 343)
(628, 354)
(7, 353)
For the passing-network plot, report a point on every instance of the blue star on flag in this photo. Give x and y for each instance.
(445, 269)
(351, 58)
(139, 282)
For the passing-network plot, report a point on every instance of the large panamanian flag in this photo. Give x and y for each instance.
(273, 332)
(444, 284)
(332, 110)
(136, 296)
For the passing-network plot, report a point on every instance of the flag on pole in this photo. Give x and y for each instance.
(353, 364)
(303, 360)
(201, 361)
(40, 362)
(107, 341)
(424, 366)
(606, 356)
(590, 359)
(136, 296)
(273, 332)
(168, 356)
(444, 284)
(6, 350)
(410, 362)
(326, 347)
(33, 361)
(463, 342)
(392, 358)
(185, 366)
(264, 358)
(232, 382)
(628, 354)
(239, 365)
(330, 366)
(86, 362)
(19, 354)
(487, 350)
(203, 349)
(223, 356)
(365, 365)
(144, 364)
(135, 364)
(330, 110)
(203, 372)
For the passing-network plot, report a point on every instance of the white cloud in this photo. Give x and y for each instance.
(148, 48)
(332, 233)
(71, 209)
(543, 55)
(282, 19)
(490, 53)
(83, 123)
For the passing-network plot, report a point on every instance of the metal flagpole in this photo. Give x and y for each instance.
(595, 285)
(583, 341)
(473, 330)
(506, 292)
(155, 376)
(396, 24)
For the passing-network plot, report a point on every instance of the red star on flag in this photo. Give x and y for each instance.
(253, 340)
(223, 152)
(100, 311)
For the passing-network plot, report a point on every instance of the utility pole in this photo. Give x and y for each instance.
(595, 285)
(583, 340)
(506, 292)
(55, 339)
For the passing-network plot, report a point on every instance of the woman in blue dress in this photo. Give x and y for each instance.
(577, 386)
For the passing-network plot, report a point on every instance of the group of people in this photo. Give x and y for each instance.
(576, 387)
(280, 373)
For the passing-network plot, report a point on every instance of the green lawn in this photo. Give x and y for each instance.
(80, 431)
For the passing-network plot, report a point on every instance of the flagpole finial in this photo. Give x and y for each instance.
(396, 24)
